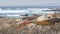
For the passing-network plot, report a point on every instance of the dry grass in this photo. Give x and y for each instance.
(46, 22)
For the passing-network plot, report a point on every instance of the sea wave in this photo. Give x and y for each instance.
(29, 11)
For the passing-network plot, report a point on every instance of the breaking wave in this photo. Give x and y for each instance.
(29, 11)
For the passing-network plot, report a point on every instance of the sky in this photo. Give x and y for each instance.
(29, 2)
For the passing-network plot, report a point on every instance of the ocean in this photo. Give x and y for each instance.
(24, 7)
(17, 11)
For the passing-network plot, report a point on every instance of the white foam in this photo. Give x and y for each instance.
(28, 10)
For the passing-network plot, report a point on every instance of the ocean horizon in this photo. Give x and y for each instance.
(29, 6)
